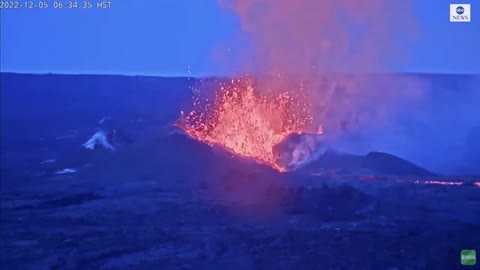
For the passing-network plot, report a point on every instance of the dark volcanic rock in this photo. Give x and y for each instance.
(373, 162)
(65, 201)
(390, 164)
(308, 152)
(338, 203)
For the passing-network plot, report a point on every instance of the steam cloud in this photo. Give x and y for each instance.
(309, 42)
(307, 36)
(328, 49)
(335, 49)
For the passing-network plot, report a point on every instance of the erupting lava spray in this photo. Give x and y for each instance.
(247, 123)
(293, 48)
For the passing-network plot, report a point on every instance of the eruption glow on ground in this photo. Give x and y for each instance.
(246, 122)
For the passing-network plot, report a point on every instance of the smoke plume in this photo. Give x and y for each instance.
(329, 50)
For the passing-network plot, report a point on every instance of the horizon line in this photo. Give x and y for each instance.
(231, 75)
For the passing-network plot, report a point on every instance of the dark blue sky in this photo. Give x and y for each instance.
(165, 37)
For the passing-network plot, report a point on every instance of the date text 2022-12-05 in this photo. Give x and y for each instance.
(55, 4)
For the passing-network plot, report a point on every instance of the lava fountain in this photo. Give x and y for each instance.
(248, 123)
(302, 41)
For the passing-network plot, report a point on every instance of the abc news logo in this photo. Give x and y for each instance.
(460, 13)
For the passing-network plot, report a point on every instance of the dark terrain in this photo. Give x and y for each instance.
(165, 201)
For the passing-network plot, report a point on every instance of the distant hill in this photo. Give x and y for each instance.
(440, 135)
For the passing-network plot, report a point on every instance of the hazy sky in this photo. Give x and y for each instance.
(165, 37)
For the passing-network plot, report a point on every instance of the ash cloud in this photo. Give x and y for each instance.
(306, 37)
(327, 50)
(310, 46)
(340, 53)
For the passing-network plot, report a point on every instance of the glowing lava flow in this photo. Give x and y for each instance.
(246, 122)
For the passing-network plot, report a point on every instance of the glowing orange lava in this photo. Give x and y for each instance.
(246, 122)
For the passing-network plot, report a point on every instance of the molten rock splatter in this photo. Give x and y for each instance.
(246, 122)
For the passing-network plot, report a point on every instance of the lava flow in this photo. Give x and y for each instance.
(245, 122)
